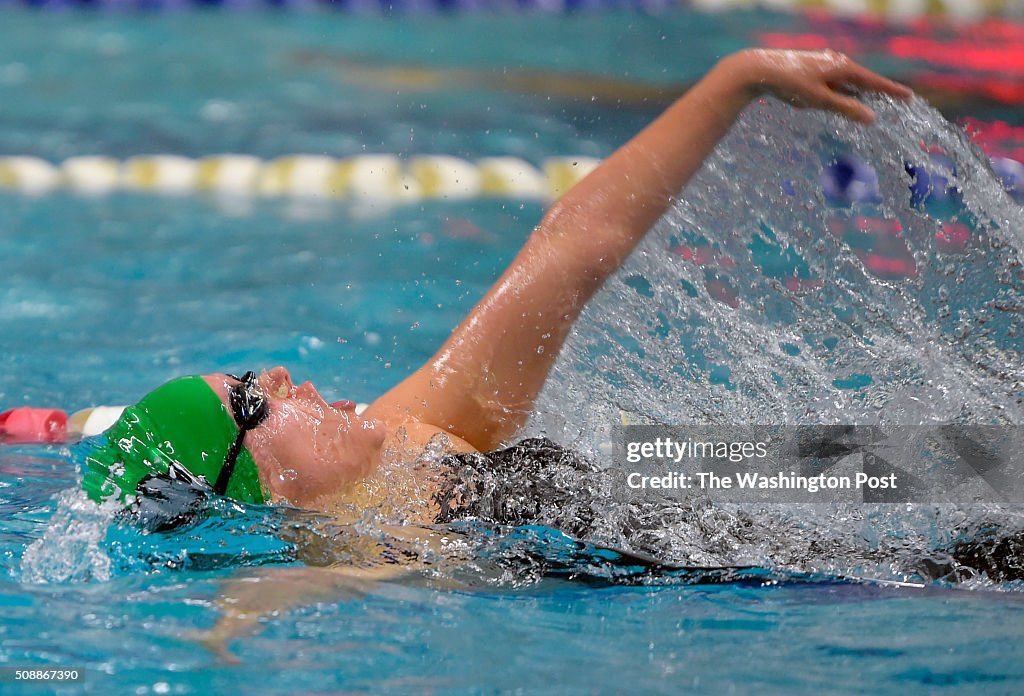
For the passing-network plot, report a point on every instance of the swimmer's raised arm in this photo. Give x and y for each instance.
(482, 383)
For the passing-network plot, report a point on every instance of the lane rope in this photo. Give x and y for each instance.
(383, 178)
(388, 177)
(377, 177)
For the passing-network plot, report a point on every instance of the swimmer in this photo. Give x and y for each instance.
(264, 439)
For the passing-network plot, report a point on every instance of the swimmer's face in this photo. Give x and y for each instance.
(306, 449)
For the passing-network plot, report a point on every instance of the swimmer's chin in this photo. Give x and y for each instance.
(300, 501)
(299, 496)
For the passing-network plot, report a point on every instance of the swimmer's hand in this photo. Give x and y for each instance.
(216, 641)
(810, 79)
(244, 600)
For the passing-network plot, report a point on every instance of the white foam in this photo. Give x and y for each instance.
(69, 550)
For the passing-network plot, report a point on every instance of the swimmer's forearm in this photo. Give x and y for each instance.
(244, 601)
(613, 208)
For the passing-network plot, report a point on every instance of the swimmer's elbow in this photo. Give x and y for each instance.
(593, 243)
(560, 221)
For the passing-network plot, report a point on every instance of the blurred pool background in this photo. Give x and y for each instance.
(108, 293)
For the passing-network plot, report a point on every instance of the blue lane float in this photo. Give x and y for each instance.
(848, 180)
(1012, 174)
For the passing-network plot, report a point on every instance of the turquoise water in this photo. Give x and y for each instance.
(130, 631)
(105, 298)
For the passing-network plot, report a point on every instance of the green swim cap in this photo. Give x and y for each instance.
(183, 421)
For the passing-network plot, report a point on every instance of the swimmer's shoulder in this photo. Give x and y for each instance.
(408, 438)
(408, 476)
(411, 439)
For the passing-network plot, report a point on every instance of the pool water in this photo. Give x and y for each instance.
(106, 297)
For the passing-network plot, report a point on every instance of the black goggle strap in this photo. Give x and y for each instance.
(221, 486)
(249, 408)
(179, 473)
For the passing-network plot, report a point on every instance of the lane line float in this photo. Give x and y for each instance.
(376, 177)
(384, 177)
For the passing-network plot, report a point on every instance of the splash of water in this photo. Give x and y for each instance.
(70, 549)
(757, 299)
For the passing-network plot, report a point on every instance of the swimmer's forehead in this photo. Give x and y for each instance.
(219, 383)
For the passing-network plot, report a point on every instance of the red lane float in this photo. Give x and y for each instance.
(706, 256)
(28, 425)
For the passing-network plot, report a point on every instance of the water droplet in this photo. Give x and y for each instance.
(288, 475)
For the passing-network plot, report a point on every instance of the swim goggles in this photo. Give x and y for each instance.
(249, 407)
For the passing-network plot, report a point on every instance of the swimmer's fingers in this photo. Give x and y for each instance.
(853, 75)
(817, 79)
(823, 96)
(845, 105)
(858, 76)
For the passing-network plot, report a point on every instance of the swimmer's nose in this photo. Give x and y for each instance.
(278, 382)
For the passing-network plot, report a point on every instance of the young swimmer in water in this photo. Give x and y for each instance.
(264, 439)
